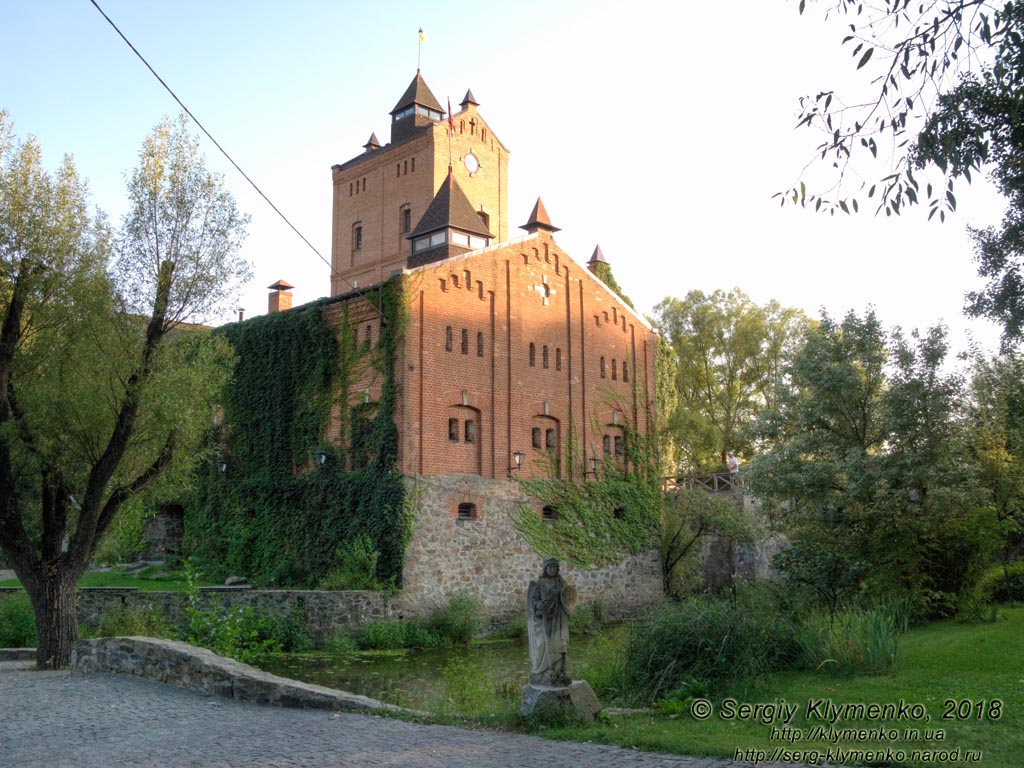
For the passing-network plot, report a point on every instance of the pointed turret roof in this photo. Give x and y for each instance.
(372, 144)
(469, 99)
(450, 208)
(281, 285)
(417, 93)
(598, 257)
(539, 219)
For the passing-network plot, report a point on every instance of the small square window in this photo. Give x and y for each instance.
(549, 513)
(453, 430)
(467, 511)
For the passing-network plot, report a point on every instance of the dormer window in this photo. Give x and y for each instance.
(404, 113)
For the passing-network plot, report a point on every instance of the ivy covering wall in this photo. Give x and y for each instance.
(276, 516)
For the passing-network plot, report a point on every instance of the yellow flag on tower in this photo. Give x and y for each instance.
(422, 36)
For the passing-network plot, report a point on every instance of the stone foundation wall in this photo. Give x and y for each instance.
(488, 558)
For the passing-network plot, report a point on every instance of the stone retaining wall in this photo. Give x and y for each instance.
(326, 613)
(186, 666)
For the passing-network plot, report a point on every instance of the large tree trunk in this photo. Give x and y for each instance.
(53, 599)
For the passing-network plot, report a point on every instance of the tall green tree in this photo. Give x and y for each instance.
(100, 398)
(864, 453)
(729, 355)
(943, 102)
(997, 438)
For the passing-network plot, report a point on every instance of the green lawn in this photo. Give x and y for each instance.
(939, 663)
(149, 579)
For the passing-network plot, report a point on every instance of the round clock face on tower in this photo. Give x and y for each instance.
(472, 164)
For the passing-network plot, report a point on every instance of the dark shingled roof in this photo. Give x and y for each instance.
(539, 219)
(450, 208)
(417, 93)
(469, 99)
(598, 257)
(281, 285)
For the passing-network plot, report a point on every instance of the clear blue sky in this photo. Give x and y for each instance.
(658, 129)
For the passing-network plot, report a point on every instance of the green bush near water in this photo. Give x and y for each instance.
(456, 624)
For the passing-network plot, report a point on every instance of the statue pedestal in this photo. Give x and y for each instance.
(578, 696)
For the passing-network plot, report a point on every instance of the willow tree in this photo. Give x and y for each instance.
(101, 399)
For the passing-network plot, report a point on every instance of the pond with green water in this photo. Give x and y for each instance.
(482, 677)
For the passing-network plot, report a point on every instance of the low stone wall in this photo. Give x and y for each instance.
(488, 558)
(186, 666)
(326, 613)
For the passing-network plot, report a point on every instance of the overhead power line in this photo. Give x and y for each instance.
(208, 134)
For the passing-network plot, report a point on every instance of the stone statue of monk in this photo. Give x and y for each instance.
(550, 601)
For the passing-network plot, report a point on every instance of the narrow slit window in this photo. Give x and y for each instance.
(479, 344)
(625, 371)
(533, 355)
(470, 431)
(448, 339)
(465, 341)
(558, 358)
(615, 370)
(603, 374)
(544, 356)
(453, 430)
(537, 438)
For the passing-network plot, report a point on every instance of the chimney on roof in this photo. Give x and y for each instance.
(280, 297)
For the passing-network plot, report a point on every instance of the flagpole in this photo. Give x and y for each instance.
(419, 47)
(451, 131)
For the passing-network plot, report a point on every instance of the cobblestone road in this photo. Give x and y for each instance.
(55, 719)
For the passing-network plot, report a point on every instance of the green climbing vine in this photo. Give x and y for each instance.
(277, 515)
(601, 520)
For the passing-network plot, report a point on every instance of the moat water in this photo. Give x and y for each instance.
(459, 678)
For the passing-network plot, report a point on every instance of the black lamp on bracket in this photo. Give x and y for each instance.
(320, 456)
(222, 466)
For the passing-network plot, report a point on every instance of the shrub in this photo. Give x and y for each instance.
(137, 620)
(856, 640)
(357, 566)
(999, 585)
(340, 642)
(17, 621)
(589, 619)
(716, 641)
(383, 635)
(460, 621)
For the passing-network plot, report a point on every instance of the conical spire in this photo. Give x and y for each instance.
(373, 144)
(450, 208)
(469, 99)
(598, 257)
(417, 93)
(539, 219)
